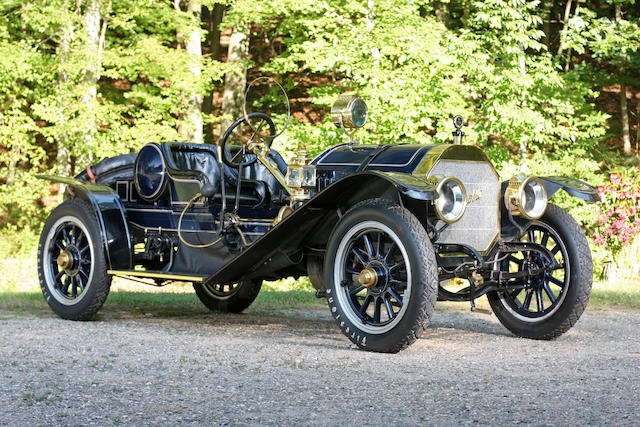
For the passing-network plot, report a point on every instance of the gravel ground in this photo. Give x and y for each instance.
(293, 370)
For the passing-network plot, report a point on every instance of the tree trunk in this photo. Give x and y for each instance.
(193, 46)
(212, 23)
(567, 12)
(568, 64)
(624, 114)
(214, 30)
(93, 50)
(190, 125)
(441, 11)
(63, 156)
(235, 82)
(546, 28)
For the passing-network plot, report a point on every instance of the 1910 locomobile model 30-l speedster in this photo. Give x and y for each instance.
(379, 229)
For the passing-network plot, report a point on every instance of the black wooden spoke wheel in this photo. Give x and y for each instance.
(547, 304)
(382, 276)
(71, 262)
(242, 157)
(231, 298)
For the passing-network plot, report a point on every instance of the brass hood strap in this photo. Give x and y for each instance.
(371, 156)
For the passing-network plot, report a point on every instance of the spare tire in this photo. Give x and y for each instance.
(108, 171)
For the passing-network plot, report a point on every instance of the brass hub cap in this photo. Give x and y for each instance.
(368, 277)
(65, 260)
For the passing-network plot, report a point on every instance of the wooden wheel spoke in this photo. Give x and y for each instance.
(387, 304)
(65, 236)
(527, 301)
(352, 270)
(365, 304)
(376, 310)
(556, 281)
(549, 293)
(514, 294)
(380, 245)
(395, 295)
(79, 240)
(361, 257)
(396, 265)
(545, 240)
(392, 249)
(74, 287)
(368, 246)
(356, 290)
(80, 283)
(539, 300)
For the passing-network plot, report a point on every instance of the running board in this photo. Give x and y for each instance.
(155, 275)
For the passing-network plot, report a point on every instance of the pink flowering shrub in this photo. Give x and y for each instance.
(619, 219)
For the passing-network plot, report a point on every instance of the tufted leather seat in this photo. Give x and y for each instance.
(200, 160)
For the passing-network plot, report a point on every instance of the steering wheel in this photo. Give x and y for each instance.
(240, 157)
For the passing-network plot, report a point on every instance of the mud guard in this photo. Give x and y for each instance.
(275, 249)
(573, 186)
(110, 214)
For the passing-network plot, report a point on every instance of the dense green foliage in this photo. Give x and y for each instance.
(525, 74)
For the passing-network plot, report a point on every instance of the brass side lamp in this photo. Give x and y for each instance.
(301, 177)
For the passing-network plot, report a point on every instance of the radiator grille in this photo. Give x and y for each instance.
(480, 224)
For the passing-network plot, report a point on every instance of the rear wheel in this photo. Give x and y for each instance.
(550, 303)
(381, 276)
(233, 298)
(71, 262)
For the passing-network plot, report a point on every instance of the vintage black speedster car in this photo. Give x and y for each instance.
(379, 229)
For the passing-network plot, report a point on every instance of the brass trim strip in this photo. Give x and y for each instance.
(136, 273)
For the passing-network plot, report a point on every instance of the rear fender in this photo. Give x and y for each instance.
(111, 217)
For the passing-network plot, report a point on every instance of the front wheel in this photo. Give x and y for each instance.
(233, 298)
(381, 271)
(549, 304)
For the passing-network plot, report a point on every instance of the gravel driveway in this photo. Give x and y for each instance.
(293, 370)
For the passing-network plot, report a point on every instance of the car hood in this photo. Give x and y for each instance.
(407, 158)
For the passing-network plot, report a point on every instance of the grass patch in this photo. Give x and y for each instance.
(140, 300)
(20, 292)
(163, 304)
(620, 295)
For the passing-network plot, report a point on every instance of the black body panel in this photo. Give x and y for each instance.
(111, 217)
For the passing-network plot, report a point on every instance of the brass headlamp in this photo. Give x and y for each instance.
(526, 196)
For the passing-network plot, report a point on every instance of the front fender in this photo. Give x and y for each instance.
(110, 214)
(313, 221)
(573, 186)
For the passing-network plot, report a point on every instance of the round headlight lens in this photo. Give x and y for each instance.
(452, 200)
(533, 198)
(359, 113)
(349, 111)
